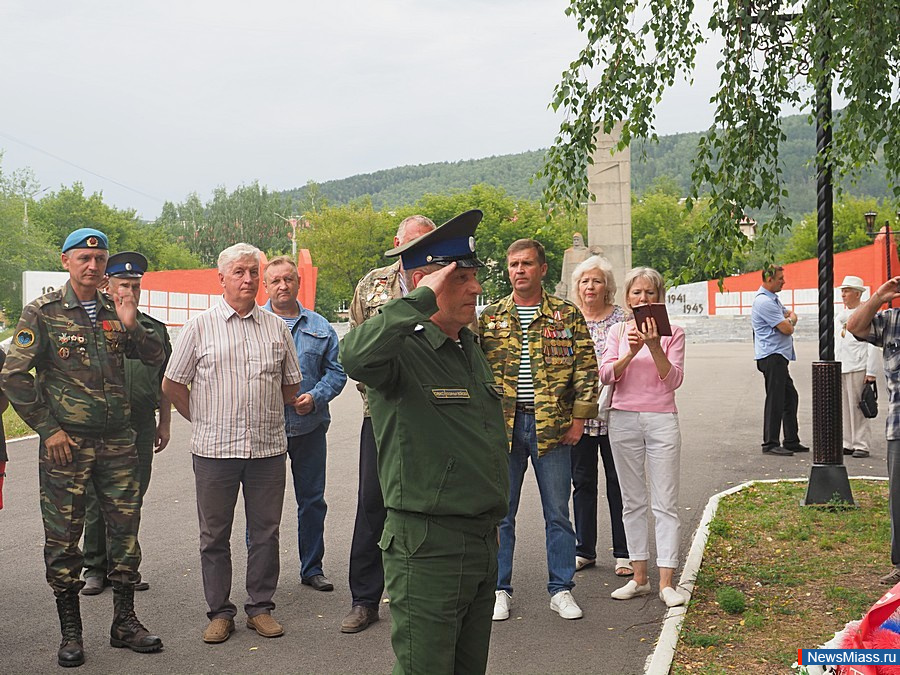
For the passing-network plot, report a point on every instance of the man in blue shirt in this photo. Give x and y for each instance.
(307, 420)
(773, 345)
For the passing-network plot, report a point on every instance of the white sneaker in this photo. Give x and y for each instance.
(564, 604)
(630, 590)
(501, 606)
(671, 597)
(581, 563)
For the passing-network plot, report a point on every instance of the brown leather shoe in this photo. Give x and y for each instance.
(218, 630)
(265, 625)
(359, 618)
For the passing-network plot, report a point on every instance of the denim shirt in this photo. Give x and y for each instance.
(323, 376)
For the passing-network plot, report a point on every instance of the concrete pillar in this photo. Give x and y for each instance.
(609, 215)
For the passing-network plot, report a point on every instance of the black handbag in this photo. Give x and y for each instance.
(868, 402)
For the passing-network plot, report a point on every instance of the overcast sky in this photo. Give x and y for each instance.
(168, 97)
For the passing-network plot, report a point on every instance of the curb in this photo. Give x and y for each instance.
(21, 438)
(660, 660)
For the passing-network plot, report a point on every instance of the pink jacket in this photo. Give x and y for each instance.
(640, 388)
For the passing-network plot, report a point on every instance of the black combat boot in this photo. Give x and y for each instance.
(126, 630)
(71, 648)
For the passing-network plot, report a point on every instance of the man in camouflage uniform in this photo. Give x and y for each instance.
(366, 570)
(543, 356)
(76, 339)
(142, 385)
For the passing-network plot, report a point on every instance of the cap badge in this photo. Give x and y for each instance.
(92, 242)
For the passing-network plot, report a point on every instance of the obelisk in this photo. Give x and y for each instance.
(609, 213)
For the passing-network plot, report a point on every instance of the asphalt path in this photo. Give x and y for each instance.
(720, 407)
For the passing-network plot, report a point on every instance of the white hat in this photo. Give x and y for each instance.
(854, 283)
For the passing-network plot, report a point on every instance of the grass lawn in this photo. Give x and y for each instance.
(777, 576)
(13, 424)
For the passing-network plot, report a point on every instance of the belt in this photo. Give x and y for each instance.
(527, 408)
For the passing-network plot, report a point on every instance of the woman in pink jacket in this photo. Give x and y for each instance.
(643, 431)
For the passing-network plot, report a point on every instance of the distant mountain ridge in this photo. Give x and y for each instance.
(671, 158)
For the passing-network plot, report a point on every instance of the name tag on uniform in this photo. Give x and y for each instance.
(447, 393)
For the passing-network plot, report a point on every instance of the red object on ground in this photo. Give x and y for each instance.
(870, 635)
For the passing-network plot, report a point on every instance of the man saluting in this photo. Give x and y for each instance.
(442, 459)
(77, 339)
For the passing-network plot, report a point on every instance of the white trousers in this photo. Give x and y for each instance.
(647, 446)
(856, 427)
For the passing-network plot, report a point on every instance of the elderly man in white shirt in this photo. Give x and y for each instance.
(859, 363)
(241, 365)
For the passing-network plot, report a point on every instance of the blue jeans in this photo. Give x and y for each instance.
(308, 453)
(554, 477)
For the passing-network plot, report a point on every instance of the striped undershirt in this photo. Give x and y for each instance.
(291, 321)
(90, 306)
(525, 385)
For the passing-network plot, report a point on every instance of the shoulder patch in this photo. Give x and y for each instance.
(24, 338)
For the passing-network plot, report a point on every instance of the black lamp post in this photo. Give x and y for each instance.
(870, 217)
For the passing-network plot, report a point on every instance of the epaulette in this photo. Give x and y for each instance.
(53, 296)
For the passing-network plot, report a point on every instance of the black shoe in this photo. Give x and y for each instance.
(126, 630)
(319, 582)
(142, 586)
(94, 585)
(848, 451)
(71, 647)
(359, 618)
(777, 450)
(799, 447)
(859, 454)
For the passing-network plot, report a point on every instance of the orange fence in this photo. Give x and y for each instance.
(801, 280)
(174, 296)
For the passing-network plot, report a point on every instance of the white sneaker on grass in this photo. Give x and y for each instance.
(501, 606)
(564, 604)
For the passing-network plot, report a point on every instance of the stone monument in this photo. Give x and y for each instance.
(608, 214)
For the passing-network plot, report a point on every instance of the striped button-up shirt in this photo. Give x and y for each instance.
(884, 332)
(235, 367)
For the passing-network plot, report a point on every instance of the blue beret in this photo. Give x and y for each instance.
(454, 241)
(126, 265)
(86, 237)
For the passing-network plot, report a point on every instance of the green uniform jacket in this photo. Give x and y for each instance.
(143, 382)
(436, 414)
(563, 364)
(80, 372)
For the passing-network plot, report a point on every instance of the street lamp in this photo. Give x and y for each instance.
(26, 198)
(870, 217)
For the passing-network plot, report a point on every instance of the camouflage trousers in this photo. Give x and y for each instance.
(96, 556)
(110, 466)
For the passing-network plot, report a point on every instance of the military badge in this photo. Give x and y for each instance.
(63, 352)
(92, 242)
(24, 338)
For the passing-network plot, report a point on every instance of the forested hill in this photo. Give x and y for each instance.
(671, 158)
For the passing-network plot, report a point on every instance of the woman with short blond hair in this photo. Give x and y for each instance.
(646, 368)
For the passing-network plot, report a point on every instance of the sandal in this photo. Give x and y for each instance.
(891, 578)
(624, 568)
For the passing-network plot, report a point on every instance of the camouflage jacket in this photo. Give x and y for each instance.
(563, 364)
(79, 385)
(375, 289)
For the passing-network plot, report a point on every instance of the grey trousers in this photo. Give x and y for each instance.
(217, 482)
(893, 470)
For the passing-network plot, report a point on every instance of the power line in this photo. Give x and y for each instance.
(80, 168)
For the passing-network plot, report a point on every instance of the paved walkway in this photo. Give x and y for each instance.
(721, 418)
